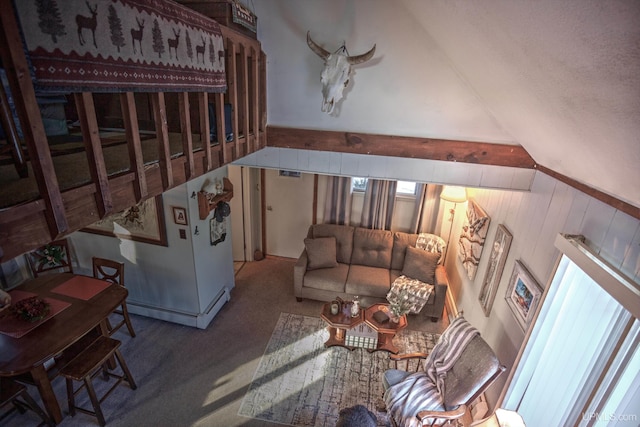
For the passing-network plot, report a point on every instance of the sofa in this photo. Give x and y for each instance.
(345, 261)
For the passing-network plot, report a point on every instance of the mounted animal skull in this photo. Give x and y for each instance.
(336, 72)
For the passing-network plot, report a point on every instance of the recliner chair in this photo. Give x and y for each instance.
(473, 372)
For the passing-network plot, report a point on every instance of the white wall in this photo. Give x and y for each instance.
(180, 282)
(409, 87)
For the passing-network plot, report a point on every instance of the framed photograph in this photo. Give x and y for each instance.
(143, 222)
(523, 295)
(499, 253)
(179, 215)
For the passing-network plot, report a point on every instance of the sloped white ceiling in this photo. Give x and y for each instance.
(560, 78)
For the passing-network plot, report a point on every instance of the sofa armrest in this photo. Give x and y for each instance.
(440, 295)
(299, 270)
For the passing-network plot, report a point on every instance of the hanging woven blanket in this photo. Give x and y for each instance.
(121, 45)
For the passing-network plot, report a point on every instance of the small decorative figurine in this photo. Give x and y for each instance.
(355, 307)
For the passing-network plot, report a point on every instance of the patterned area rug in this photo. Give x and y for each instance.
(299, 382)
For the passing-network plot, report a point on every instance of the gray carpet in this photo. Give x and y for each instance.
(299, 382)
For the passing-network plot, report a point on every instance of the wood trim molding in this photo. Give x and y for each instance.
(400, 146)
(622, 206)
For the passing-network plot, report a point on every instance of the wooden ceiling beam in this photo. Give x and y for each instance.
(400, 146)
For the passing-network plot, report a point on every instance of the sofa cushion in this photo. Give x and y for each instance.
(400, 242)
(321, 252)
(369, 281)
(344, 239)
(328, 279)
(372, 248)
(420, 264)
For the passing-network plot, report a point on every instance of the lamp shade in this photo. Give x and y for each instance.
(454, 194)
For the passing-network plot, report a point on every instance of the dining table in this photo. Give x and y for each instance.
(78, 305)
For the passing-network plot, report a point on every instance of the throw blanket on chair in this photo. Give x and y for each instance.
(425, 390)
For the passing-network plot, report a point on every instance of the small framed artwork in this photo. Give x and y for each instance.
(499, 253)
(523, 295)
(179, 215)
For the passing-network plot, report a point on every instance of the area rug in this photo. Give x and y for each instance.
(299, 382)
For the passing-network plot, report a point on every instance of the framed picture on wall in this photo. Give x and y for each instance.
(499, 253)
(179, 215)
(143, 222)
(523, 295)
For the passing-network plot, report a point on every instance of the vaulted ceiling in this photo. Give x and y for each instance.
(560, 78)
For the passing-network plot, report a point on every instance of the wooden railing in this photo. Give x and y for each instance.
(60, 211)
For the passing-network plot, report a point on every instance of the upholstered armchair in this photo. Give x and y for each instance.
(470, 374)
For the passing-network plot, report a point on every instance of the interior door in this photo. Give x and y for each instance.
(289, 206)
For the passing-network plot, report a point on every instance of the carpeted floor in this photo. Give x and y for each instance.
(193, 377)
(299, 382)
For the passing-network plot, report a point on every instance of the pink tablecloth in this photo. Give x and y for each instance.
(14, 327)
(81, 287)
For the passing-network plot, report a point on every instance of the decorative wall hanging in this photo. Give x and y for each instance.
(143, 223)
(125, 45)
(471, 243)
(336, 74)
(523, 295)
(218, 230)
(499, 253)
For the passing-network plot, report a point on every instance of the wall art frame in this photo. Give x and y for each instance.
(179, 215)
(472, 237)
(523, 295)
(143, 222)
(497, 260)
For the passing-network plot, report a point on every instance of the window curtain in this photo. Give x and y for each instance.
(337, 206)
(577, 332)
(379, 203)
(425, 214)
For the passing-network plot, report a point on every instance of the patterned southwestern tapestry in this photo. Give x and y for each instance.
(121, 45)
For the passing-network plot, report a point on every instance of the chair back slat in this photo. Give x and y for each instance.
(52, 257)
(109, 270)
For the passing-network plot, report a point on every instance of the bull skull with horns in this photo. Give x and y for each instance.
(336, 72)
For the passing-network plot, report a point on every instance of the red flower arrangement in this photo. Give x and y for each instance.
(31, 309)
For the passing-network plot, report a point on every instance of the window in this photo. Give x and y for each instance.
(404, 188)
(358, 184)
(580, 356)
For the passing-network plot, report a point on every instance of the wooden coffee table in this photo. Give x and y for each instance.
(386, 330)
(339, 323)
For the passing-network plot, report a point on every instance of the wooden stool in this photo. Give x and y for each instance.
(11, 391)
(87, 365)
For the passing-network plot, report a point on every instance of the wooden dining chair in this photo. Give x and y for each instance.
(113, 271)
(16, 394)
(54, 257)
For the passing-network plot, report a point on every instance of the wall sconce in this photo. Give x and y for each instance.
(454, 195)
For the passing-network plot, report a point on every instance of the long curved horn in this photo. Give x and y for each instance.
(359, 59)
(319, 50)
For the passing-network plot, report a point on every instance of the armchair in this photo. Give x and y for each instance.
(458, 370)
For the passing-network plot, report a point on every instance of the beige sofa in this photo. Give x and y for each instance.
(344, 261)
